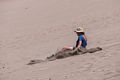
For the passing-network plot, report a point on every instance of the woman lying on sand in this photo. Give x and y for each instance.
(81, 41)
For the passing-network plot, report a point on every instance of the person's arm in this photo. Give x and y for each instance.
(85, 37)
(79, 45)
(80, 41)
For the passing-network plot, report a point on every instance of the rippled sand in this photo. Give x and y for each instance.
(35, 29)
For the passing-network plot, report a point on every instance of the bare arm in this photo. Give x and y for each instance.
(85, 37)
(79, 45)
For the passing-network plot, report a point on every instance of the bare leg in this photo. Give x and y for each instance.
(67, 48)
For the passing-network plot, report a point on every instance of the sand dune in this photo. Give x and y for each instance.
(34, 29)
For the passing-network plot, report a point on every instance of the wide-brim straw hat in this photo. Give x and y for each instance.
(79, 29)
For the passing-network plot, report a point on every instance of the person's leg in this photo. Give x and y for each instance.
(67, 48)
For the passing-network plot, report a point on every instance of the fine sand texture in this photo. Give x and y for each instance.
(35, 29)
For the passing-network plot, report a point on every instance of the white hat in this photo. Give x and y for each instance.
(79, 29)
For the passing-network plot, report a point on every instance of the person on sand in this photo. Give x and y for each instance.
(81, 41)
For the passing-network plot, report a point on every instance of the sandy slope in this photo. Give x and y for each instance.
(34, 29)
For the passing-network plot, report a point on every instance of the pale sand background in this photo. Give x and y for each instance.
(34, 29)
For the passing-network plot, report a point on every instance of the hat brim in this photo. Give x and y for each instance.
(78, 31)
